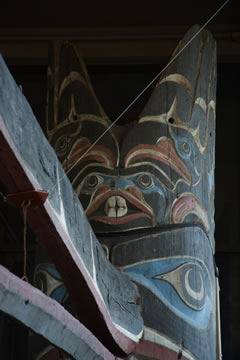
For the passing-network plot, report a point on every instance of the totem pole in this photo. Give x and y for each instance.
(148, 192)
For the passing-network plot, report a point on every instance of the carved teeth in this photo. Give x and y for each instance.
(121, 203)
(112, 202)
(111, 212)
(116, 206)
(121, 212)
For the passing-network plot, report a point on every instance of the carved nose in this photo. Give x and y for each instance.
(116, 206)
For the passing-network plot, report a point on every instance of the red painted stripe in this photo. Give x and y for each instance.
(37, 302)
(80, 148)
(182, 207)
(163, 149)
(156, 351)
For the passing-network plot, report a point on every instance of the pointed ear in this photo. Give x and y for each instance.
(70, 94)
(192, 75)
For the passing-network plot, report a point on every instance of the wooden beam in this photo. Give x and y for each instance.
(48, 318)
(105, 298)
(125, 45)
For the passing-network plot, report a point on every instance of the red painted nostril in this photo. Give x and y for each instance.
(134, 191)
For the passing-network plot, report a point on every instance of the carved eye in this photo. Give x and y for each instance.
(188, 281)
(93, 181)
(145, 181)
(63, 145)
(186, 147)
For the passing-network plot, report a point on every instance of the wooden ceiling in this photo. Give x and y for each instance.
(107, 13)
(113, 31)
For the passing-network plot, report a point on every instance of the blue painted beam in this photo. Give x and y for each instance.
(105, 298)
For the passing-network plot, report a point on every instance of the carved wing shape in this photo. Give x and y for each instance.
(70, 95)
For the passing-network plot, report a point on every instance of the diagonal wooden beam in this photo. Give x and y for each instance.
(48, 318)
(105, 299)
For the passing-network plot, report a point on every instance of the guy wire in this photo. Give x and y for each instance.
(141, 93)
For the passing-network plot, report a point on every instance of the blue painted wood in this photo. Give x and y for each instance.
(49, 319)
(154, 177)
(29, 163)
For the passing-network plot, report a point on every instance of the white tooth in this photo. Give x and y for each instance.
(121, 202)
(112, 201)
(121, 212)
(112, 212)
(106, 207)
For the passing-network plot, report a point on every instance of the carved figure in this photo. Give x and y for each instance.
(148, 189)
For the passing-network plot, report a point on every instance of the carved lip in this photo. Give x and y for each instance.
(117, 220)
(139, 209)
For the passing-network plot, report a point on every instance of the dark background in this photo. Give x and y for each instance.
(125, 45)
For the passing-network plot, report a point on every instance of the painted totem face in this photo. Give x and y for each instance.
(159, 172)
(151, 176)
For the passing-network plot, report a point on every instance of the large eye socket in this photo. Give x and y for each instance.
(92, 182)
(63, 145)
(145, 181)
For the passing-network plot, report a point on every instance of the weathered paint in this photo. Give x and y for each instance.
(62, 226)
(154, 177)
(45, 316)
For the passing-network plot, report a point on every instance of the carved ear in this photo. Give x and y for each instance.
(190, 80)
(70, 94)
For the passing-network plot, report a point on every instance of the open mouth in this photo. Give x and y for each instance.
(118, 207)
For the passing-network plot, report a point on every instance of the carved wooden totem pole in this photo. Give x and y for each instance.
(148, 192)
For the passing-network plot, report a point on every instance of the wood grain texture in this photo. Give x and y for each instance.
(155, 178)
(176, 280)
(157, 170)
(29, 163)
(48, 318)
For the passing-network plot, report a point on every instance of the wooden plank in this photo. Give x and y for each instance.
(48, 318)
(105, 298)
(108, 45)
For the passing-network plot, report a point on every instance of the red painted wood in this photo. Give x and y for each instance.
(157, 351)
(33, 197)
